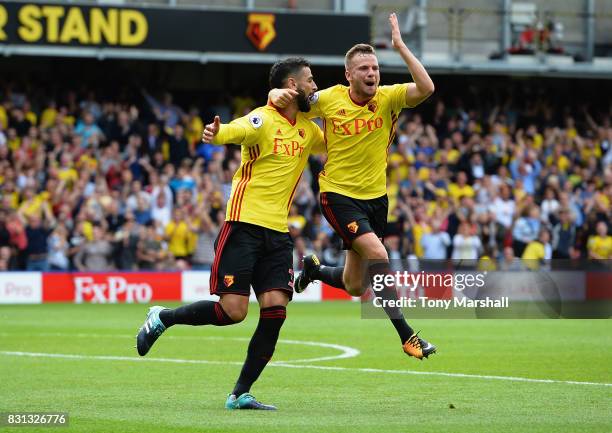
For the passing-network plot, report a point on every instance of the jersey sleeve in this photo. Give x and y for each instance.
(244, 131)
(397, 96)
(317, 103)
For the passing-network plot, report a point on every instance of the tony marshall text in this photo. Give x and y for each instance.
(425, 302)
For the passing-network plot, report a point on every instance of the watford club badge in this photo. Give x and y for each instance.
(302, 132)
(228, 280)
(372, 106)
(353, 227)
(260, 30)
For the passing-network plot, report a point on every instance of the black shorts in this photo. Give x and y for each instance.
(250, 255)
(351, 217)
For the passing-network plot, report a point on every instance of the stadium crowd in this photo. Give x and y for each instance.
(93, 184)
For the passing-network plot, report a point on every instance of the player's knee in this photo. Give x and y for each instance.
(354, 286)
(377, 252)
(353, 282)
(369, 246)
(355, 290)
(237, 314)
(235, 308)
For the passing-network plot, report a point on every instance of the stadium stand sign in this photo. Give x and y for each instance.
(118, 31)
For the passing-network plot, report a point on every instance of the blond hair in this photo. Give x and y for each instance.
(357, 49)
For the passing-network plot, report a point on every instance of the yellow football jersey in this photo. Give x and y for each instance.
(274, 154)
(533, 254)
(456, 191)
(602, 246)
(178, 234)
(357, 138)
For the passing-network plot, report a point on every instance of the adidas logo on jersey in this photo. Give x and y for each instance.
(341, 112)
(279, 132)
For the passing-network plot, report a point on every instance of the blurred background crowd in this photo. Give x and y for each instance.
(94, 183)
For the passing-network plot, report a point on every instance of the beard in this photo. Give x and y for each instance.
(302, 101)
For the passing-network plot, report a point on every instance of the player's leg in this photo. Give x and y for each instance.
(349, 219)
(353, 274)
(313, 270)
(273, 285)
(349, 277)
(235, 257)
(230, 309)
(370, 246)
(362, 223)
(272, 315)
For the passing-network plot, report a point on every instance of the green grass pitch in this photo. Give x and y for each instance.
(106, 388)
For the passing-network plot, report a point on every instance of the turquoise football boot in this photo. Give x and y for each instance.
(246, 401)
(150, 330)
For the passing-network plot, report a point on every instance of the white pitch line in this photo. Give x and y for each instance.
(346, 351)
(117, 358)
(286, 365)
(441, 373)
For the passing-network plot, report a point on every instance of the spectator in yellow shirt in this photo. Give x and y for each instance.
(178, 235)
(29, 114)
(559, 159)
(194, 126)
(460, 188)
(538, 251)
(440, 206)
(420, 227)
(48, 116)
(600, 245)
(31, 205)
(66, 171)
(88, 160)
(10, 195)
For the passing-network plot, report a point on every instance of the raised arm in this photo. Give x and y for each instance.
(217, 133)
(423, 86)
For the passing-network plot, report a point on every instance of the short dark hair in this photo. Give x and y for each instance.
(357, 49)
(281, 70)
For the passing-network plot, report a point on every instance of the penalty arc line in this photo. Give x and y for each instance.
(287, 365)
(346, 351)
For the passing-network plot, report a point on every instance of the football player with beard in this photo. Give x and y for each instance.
(254, 247)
